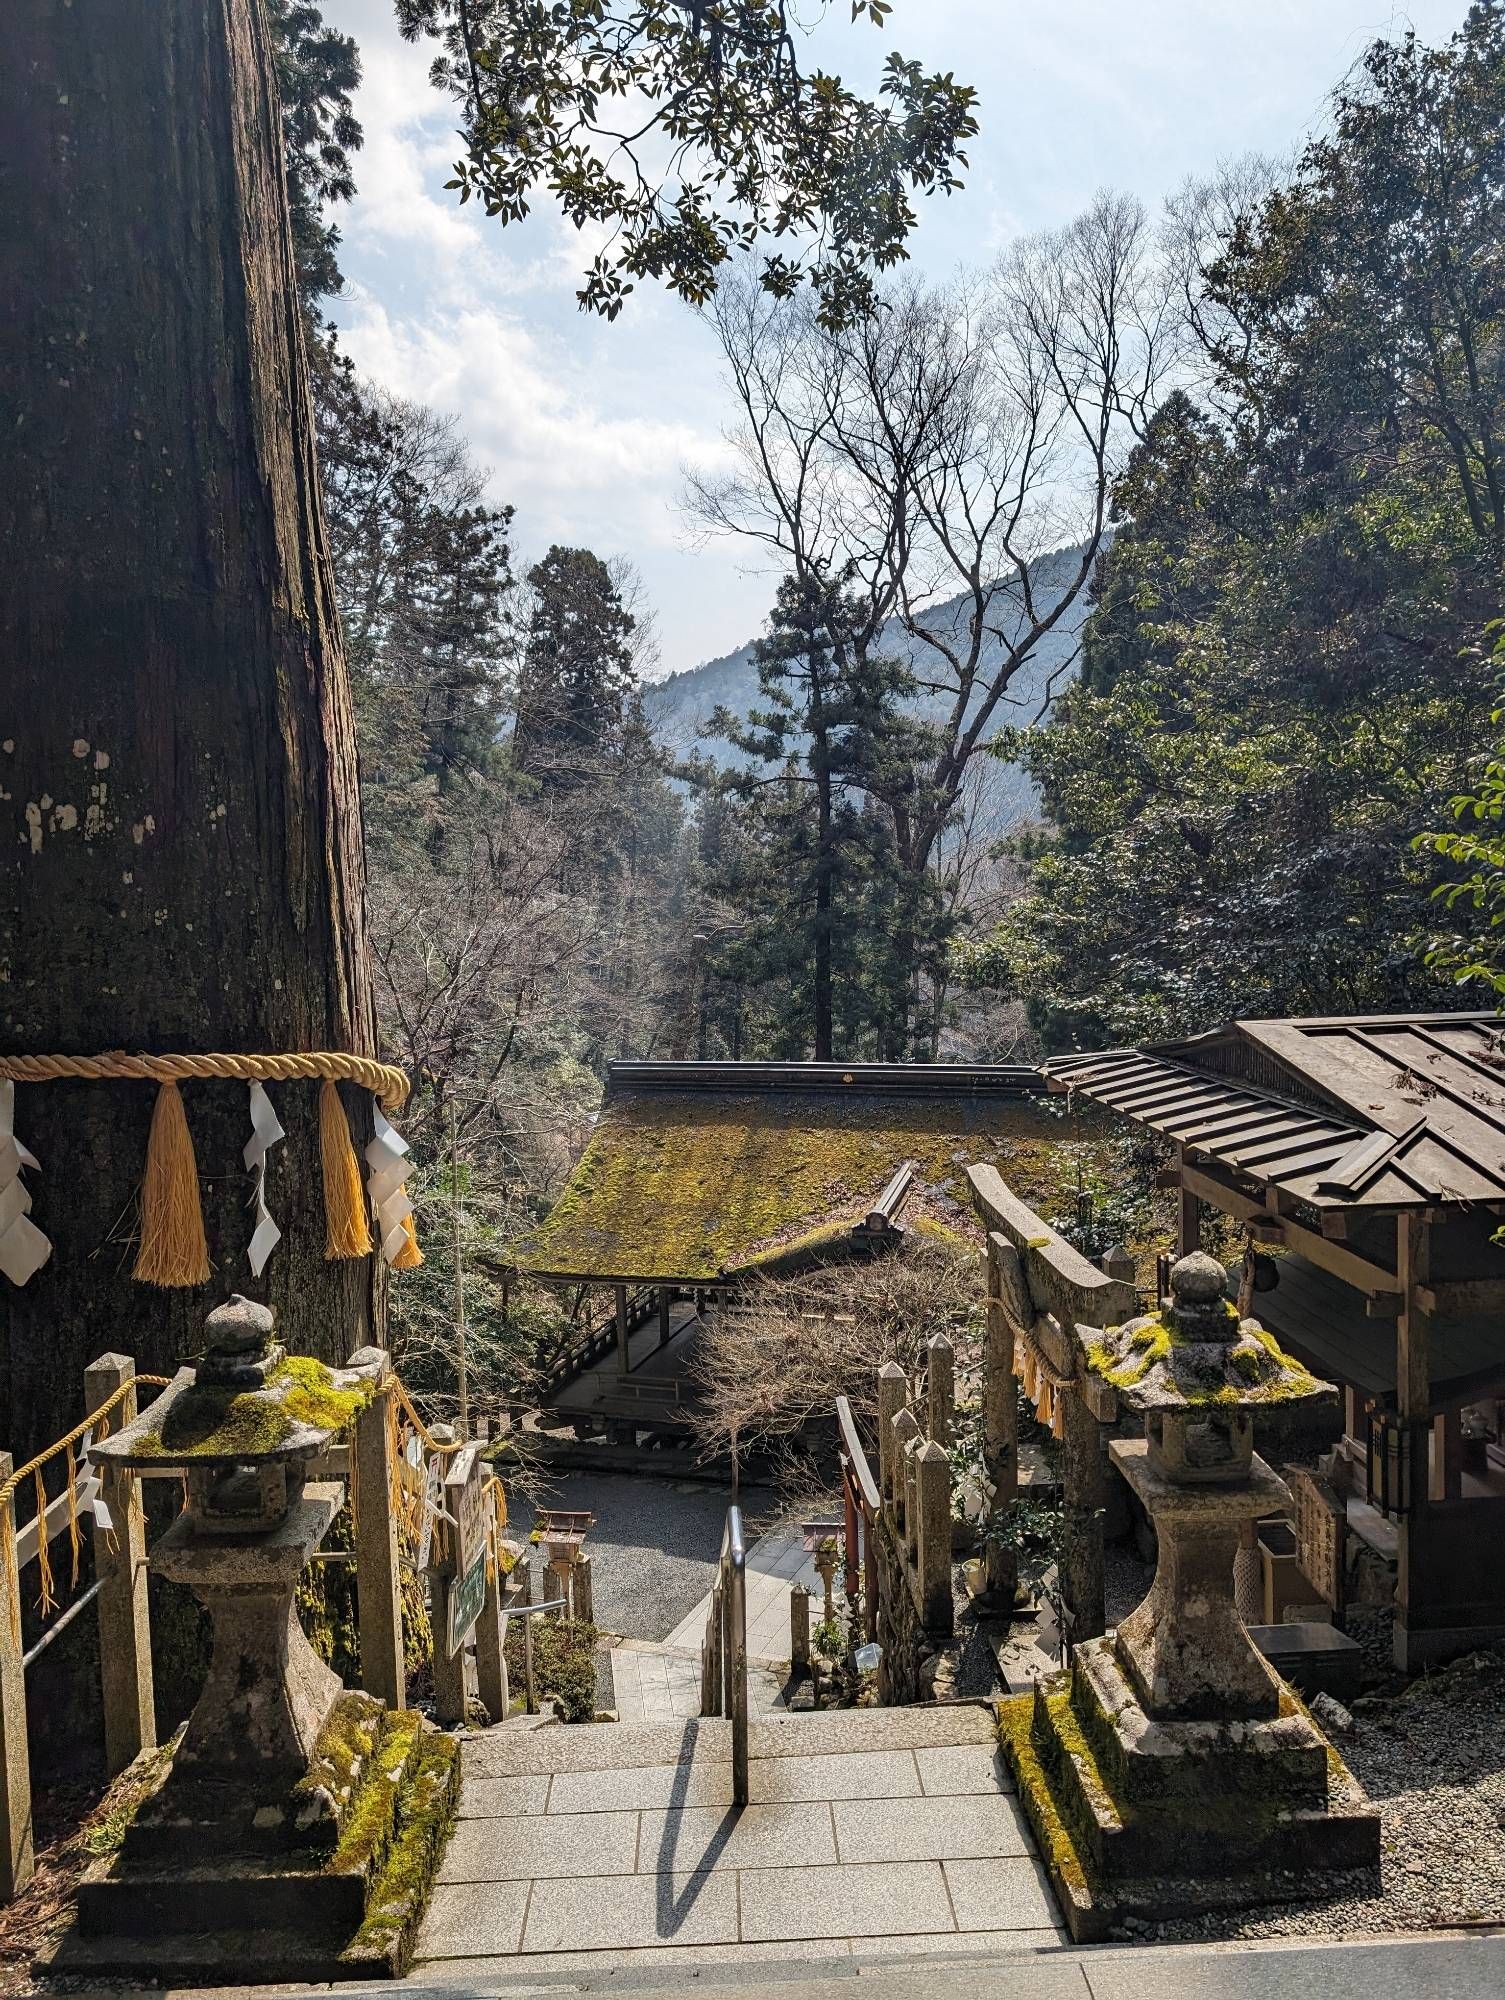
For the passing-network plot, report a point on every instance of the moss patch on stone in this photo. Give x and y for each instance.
(1064, 1861)
(1126, 1357)
(702, 1184)
(421, 1820)
(371, 1825)
(217, 1422)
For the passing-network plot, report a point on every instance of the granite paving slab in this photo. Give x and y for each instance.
(703, 1783)
(473, 1919)
(767, 1836)
(873, 1729)
(1007, 1894)
(883, 1899)
(594, 1746)
(502, 1798)
(931, 1830)
(850, 1774)
(958, 1768)
(571, 1914)
(523, 1850)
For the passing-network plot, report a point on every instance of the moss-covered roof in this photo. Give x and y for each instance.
(693, 1185)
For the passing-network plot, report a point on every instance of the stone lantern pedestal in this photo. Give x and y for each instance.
(1174, 1771)
(290, 1831)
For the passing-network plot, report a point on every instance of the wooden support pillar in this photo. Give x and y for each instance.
(449, 1669)
(932, 1536)
(1084, 1474)
(378, 1577)
(663, 1315)
(125, 1633)
(940, 1389)
(522, 1577)
(1188, 1223)
(492, 1684)
(624, 1359)
(1447, 1455)
(1413, 1395)
(1000, 1428)
(17, 1854)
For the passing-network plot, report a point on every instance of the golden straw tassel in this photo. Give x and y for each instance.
(346, 1231)
(173, 1249)
(409, 1257)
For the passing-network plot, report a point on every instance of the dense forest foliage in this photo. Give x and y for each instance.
(1258, 446)
(1282, 682)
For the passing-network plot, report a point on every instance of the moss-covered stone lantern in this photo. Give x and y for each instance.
(1176, 1771)
(242, 1428)
(292, 1831)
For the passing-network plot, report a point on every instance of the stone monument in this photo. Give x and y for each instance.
(291, 1828)
(1174, 1771)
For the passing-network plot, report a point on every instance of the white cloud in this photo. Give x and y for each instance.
(569, 463)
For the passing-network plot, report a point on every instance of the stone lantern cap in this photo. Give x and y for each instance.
(1196, 1354)
(248, 1402)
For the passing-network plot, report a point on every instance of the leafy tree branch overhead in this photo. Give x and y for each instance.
(688, 130)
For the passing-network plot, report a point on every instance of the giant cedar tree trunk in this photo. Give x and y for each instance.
(180, 847)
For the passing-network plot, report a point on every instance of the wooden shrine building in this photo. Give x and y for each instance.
(1366, 1157)
(699, 1174)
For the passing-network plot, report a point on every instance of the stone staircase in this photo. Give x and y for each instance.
(614, 1847)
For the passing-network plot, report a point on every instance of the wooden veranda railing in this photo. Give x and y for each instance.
(596, 1343)
(863, 1504)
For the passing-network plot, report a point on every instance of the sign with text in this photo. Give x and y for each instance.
(464, 1485)
(467, 1598)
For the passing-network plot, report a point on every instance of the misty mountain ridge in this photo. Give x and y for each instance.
(679, 708)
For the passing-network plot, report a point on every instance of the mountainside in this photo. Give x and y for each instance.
(679, 708)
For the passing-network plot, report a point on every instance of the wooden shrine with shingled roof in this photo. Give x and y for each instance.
(1367, 1153)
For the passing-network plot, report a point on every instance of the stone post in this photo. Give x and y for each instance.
(932, 1508)
(1084, 1476)
(1000, 1428)
(893, 1393)
(125, 1633)
(903, 1432)
(17, 1855)
(378, 1577)
(583, 1595)
(799, 1630)
(1248, 1579)
(1116, 1262)
(940, 1389)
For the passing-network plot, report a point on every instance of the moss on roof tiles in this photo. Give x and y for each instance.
(699, 1184)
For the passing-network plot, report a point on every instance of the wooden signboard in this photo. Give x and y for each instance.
(464, 1504)
(467, 1599)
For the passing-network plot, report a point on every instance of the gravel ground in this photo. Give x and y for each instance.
(654, 1546)
(1433, 1760)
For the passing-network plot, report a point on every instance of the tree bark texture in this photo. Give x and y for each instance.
(181, 864)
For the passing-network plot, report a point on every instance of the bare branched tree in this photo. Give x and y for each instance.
(933, 453)
(778, 1355)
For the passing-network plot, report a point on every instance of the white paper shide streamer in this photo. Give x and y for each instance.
(387, 1157)
(266, 1132)
(23, 1247)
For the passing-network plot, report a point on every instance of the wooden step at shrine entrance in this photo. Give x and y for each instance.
(617, 1845)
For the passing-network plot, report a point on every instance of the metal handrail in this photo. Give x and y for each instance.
(723, 1652)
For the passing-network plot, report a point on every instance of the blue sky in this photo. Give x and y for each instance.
(586, 428)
